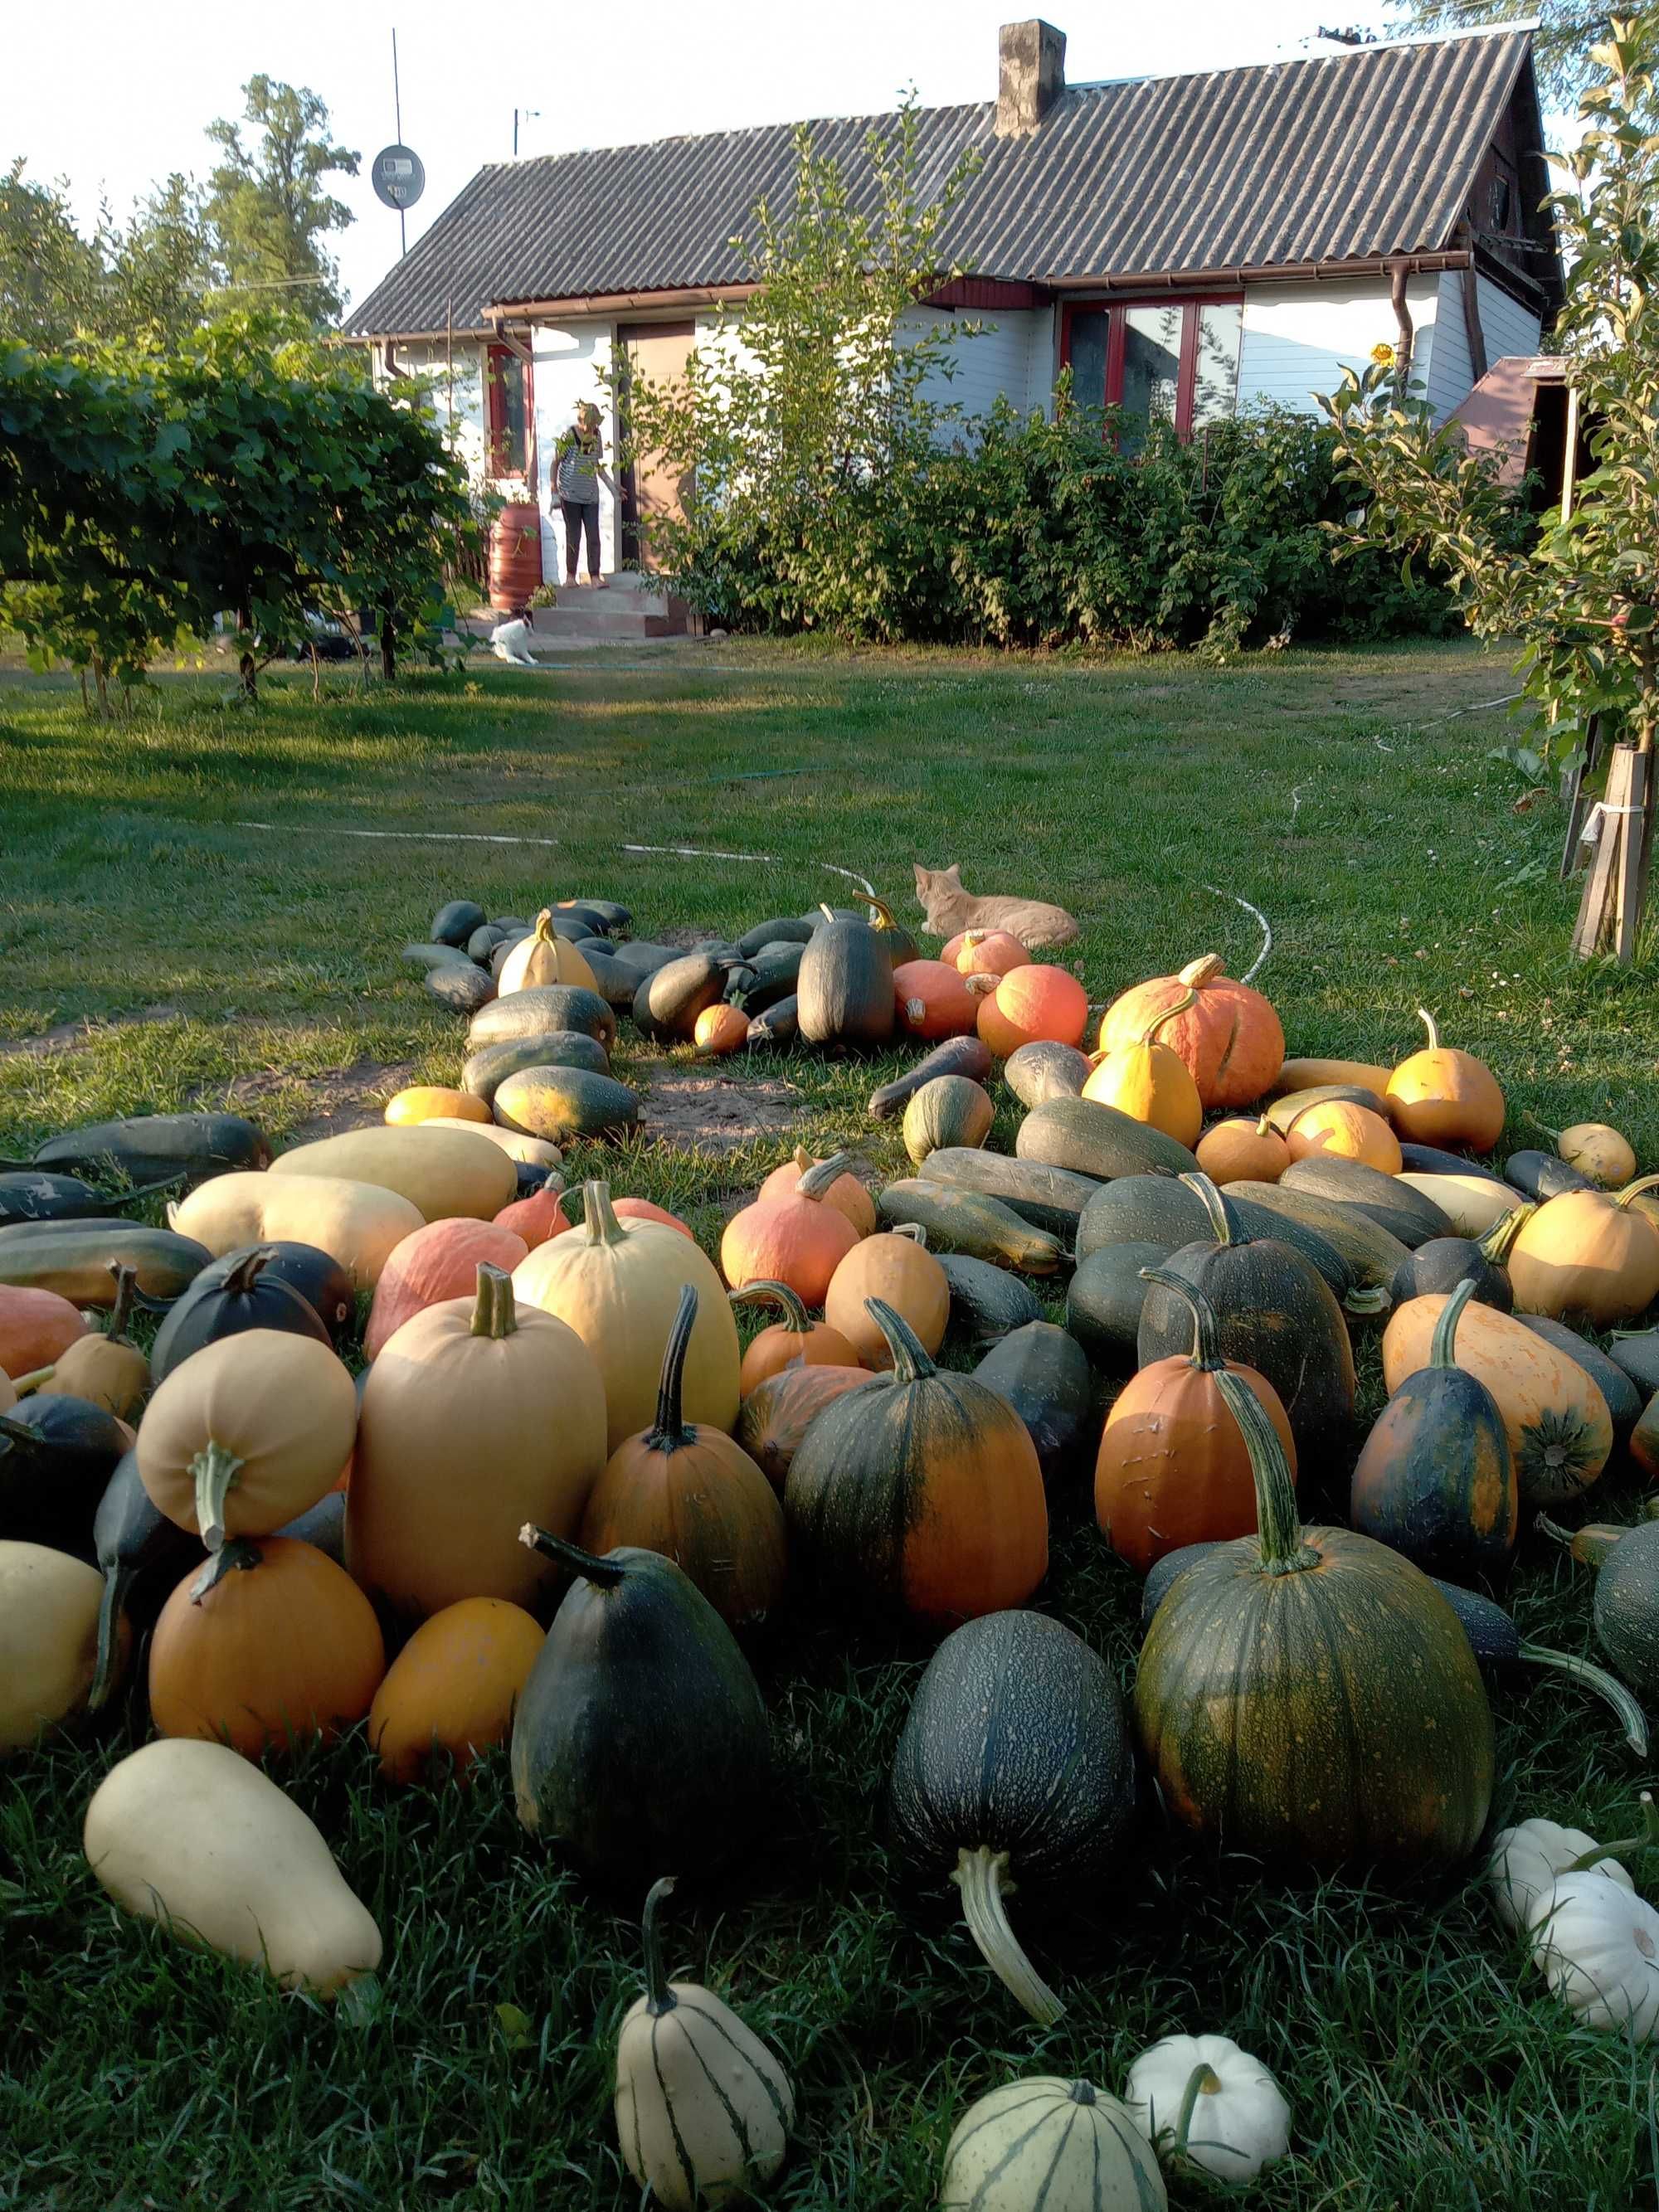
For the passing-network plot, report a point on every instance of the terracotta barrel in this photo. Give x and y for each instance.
(516, 556)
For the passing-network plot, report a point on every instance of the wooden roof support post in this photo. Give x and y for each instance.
(1399, 271)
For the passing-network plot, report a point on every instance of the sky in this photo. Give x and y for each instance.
(127, 98)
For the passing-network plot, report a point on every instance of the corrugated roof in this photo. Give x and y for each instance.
(1335, 158)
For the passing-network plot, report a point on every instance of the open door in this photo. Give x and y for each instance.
(656, 351)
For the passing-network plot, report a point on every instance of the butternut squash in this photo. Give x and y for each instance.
(451, 1691)
(441, 1172)
(48, 1606)
(358, 1224)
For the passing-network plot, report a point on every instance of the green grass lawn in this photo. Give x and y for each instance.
(190, 867)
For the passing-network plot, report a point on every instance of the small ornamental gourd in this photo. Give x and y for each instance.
(1380, 1754)
(704, 2109)
(795, 1340)
(798, 1237)
(1150, 1082)
(1014, 1769)
(1045, 2144)
(107, 1371)
(1201, 2097)
(1598, 1945)
(539, 1218)
(1230, 1035)
(1597, 1151)
(922, 1494)
(1529, 1859)
(1435, 1477)
(991, 953)
(1442, 1097)
(1172, 1468)
(720, 1031)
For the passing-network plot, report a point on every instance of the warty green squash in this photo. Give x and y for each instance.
(1045, 1070)
(987, 1301)
(1104, 1303)
(1088, 1138)
(540, 1010)
(950, 1110)
(489, 1067)
(563, 1104)
(1308, 1694)
(1014, 1767)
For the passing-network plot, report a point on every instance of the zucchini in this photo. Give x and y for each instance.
(1635, 1350)
(771, 976)
(1429, 1159)
(486, 1069)
(779, 1024)
(32, 1195)
(988, 1300)
(455, 923)
(1403, 1212)
(133, 1540)
(957, 1055)
(614, 984)
(786, 929)
(642, 956)
(427, 957)
(1541, 1175)
(1375, 1255)
(1285, 1110)
(1104, 1298)
(540, 1011)
(1049, 1198)
(1094, 1140)
(1045, 1070)
(148, 1147)
(982, 1227)
(75, 1259)
(557, 1102)
(603, 916)
(1043, 1374)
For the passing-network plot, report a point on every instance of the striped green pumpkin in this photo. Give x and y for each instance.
(1045, 2144)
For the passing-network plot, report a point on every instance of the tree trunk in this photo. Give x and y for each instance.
(388, 647)
(247, 665)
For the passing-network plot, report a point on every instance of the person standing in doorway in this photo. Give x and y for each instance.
(579, 470)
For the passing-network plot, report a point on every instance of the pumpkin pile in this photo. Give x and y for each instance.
(584, 1462)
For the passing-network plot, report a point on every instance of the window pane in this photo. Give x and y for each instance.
(1215, 375)
(514, 446)
(1152, 366)
(1088, 355)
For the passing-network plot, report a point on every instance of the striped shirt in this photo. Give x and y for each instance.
(576, 477)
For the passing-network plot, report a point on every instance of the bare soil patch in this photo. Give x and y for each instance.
(338, 1099)
(696, 1111)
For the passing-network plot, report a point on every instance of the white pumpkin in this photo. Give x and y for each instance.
(1201, 2097)
(1598, 1944)
(1044, 2141)
(1527, 1860)
(704, 2109)
(541, 958)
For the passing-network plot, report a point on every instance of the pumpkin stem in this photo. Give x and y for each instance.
(215, 1471)
(1202, 2081)
(1280, 1528)
(1083, 2093)
(982, 1876)
(883, 914)
(1431, 1026)
(599, 1216)
(670, 1432)
(1590, 1545)
(658, 1997)
(912, 1231)
(1365, 1303)
(794, 1320)
(1207, 1323)
(247, 1270)
(826, 910)
(544, 927)
(1647, 1841)
(910, 1360)
(818, 1179)
(1205, 969)
(495, 1313)
(118, 1580)
(1592, 1677)
(1442, 1349)
(126, 1282)
(1223, 1222)
(1190, 998)
(1635, 1189)
(1500, 1237)
(605, 1573)
(239, 1552)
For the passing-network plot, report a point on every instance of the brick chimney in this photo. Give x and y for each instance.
(1030, 75)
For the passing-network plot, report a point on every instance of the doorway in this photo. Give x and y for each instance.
(656, 351)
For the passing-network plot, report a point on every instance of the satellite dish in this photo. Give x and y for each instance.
(398, 176)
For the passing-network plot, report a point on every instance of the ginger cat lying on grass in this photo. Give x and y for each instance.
(949, 908)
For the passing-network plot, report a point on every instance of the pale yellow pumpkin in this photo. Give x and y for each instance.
(441, 1172)
(48, 1640)
(359, 1224)
(541, 958)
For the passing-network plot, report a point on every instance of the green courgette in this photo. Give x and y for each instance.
(1090, 1139)
(1050, 1197)
(963, 1221)
(75, 1258)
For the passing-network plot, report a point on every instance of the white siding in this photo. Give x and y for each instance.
(570, 359)
(1507, 326)
(454, 380)
(1298, 338)
(1450, 374)
(1010, 357)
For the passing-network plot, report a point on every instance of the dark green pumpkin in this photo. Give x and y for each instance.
(951, 1111)
(322, 1524)
(1044, 1070)
(463, 989)
(245, 1290)
(483, 941)
(1165, 1209)
(1088, 1138)
(486, 1069)
(1277, 1315)
(900, 943)
(455, 923)
(617, 985)
(957, 1055)
(147, 1147)
(1438, 1267)
(669, 999)
(57, 1455)
(643, 956)
(1635, 1351)
(1042, 1373)
(542, 1011)
(1627, 1607)
(1014, 1768)
(1104, 1301)
(845, 986)
(1307, 1694)
(1541, 1175)
(962, 1220)
(1624, 1400)
(1436, 1478)
(987, 1301)
(1395, 1206)
(559, 1103)
(771, 975)
(1048, 1198)
(139, 1553)
(640, 1740)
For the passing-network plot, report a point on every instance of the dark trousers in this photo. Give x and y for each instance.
(580, 515)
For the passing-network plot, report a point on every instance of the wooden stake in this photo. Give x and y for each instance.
(1629, 885)
(1573, 797)
(1594, 907)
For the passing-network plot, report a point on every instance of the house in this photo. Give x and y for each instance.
(1191, 244)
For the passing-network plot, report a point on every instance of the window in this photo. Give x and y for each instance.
(507, 411)
(1167, 361)
(1502, 199)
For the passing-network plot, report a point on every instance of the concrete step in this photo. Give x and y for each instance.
(600, 617)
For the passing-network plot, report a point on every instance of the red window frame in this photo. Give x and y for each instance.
(499, 361)
(1186, 372)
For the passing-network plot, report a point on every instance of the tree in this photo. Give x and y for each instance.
(1584, 599)
(267, 207)
(50, 278)
(1567, 32)
(147, 279)
(159, 269)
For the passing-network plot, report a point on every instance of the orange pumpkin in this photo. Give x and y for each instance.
(452, 1689)
(990, 952)
(439, 1261)
(1587, 1252)
(797, 1237)
(1230, 1037)
(1336, 1127)
(933, 1000)
(270, 1643)
(538, 1217)
(1442, 1097)
(1239, 1149)
(425, 1100)
(642, 1209)
(1033, 1005)
(35, 1326)
(847, 1193)
(777, 1414)
(720, 1029)
(694, 1495)
(1172, 1468)
(897, 1268)
(794, 1341)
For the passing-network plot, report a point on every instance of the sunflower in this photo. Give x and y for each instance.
(1382, 355)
